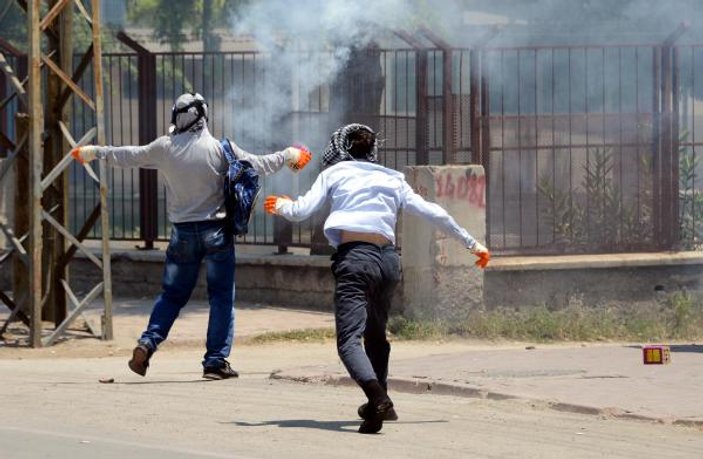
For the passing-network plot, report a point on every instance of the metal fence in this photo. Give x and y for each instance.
(586, 148)
(234, 85)
(571, 138)
(593, 149)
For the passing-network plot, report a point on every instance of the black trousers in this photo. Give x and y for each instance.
(366, 276)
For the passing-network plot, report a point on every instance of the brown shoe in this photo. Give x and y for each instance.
(374, 416)
(225, 371)
(140, 359)
(390, 415)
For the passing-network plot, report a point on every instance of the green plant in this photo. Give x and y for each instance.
(305, 335)
(690, 198)
(677, 316)
(597, 213)
(404, 328)
(560, 213)
(685, 315)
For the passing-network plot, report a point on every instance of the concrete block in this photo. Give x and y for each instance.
(440, 280)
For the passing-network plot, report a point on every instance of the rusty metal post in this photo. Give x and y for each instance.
(448, 123)
(421, 118)
(422, 108)
(56, 196)
(107, 332)
(667, 141)
(148, 178)
(3, 114)
(485, 118)
(656, 142)
(36, 114)
(448, 119)
(20, 277)
(675, 160)
(282, 234)
(485, 157)
(475, 106)
(665, 152)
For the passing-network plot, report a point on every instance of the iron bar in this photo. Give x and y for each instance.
(104, 216)
(51, 339)
(475, 106)
(36, 127)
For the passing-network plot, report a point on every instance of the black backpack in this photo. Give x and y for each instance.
(241, 190)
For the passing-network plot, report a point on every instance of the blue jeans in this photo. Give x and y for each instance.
(189, 244)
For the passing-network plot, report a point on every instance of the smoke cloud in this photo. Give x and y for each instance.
(304, 46)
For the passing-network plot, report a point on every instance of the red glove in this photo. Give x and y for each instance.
(483, 259)
(85, 154)
(484, 256)
(272, 203)
(297, 157)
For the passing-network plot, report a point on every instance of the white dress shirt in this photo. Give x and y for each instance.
(366, 197)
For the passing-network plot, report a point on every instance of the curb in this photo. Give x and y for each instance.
(425, 386)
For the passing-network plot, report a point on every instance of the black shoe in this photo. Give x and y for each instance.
(374, 416)
(391, 415)
(140, 359)
(223, 372)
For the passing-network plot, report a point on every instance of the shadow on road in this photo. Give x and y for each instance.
(687, 348)
(678, 347)
(137, 383)
(132, 383)
(339, 426)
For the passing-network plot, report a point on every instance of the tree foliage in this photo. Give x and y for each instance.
(13, 23)
(177, 21)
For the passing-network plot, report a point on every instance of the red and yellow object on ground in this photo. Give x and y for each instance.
(657, 354)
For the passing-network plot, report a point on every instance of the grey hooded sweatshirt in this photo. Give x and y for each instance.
(193, 166)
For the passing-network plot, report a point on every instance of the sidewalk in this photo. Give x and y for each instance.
(603, 379)
(607, 380)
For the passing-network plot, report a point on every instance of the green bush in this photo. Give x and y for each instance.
(679, 316)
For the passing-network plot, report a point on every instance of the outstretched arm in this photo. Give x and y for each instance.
(438, 216)
(303, 207)
(295, 158)
(147, 156)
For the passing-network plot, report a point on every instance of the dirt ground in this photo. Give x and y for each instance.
(130, 317)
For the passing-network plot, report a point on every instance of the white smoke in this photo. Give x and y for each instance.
(318, 24)
(304, 45)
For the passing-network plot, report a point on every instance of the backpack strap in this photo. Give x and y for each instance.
(228, 150)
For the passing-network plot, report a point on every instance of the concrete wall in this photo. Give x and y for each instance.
(592, 279)
(440, 281)
(306, 281)
(289, 280)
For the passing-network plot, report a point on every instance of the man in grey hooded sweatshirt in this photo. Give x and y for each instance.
(192, 164)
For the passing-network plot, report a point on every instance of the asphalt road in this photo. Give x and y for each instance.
(56, 407)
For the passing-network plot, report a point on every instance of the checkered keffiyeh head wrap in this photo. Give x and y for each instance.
(338, 148)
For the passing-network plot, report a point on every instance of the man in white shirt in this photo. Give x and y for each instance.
(365, 199)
